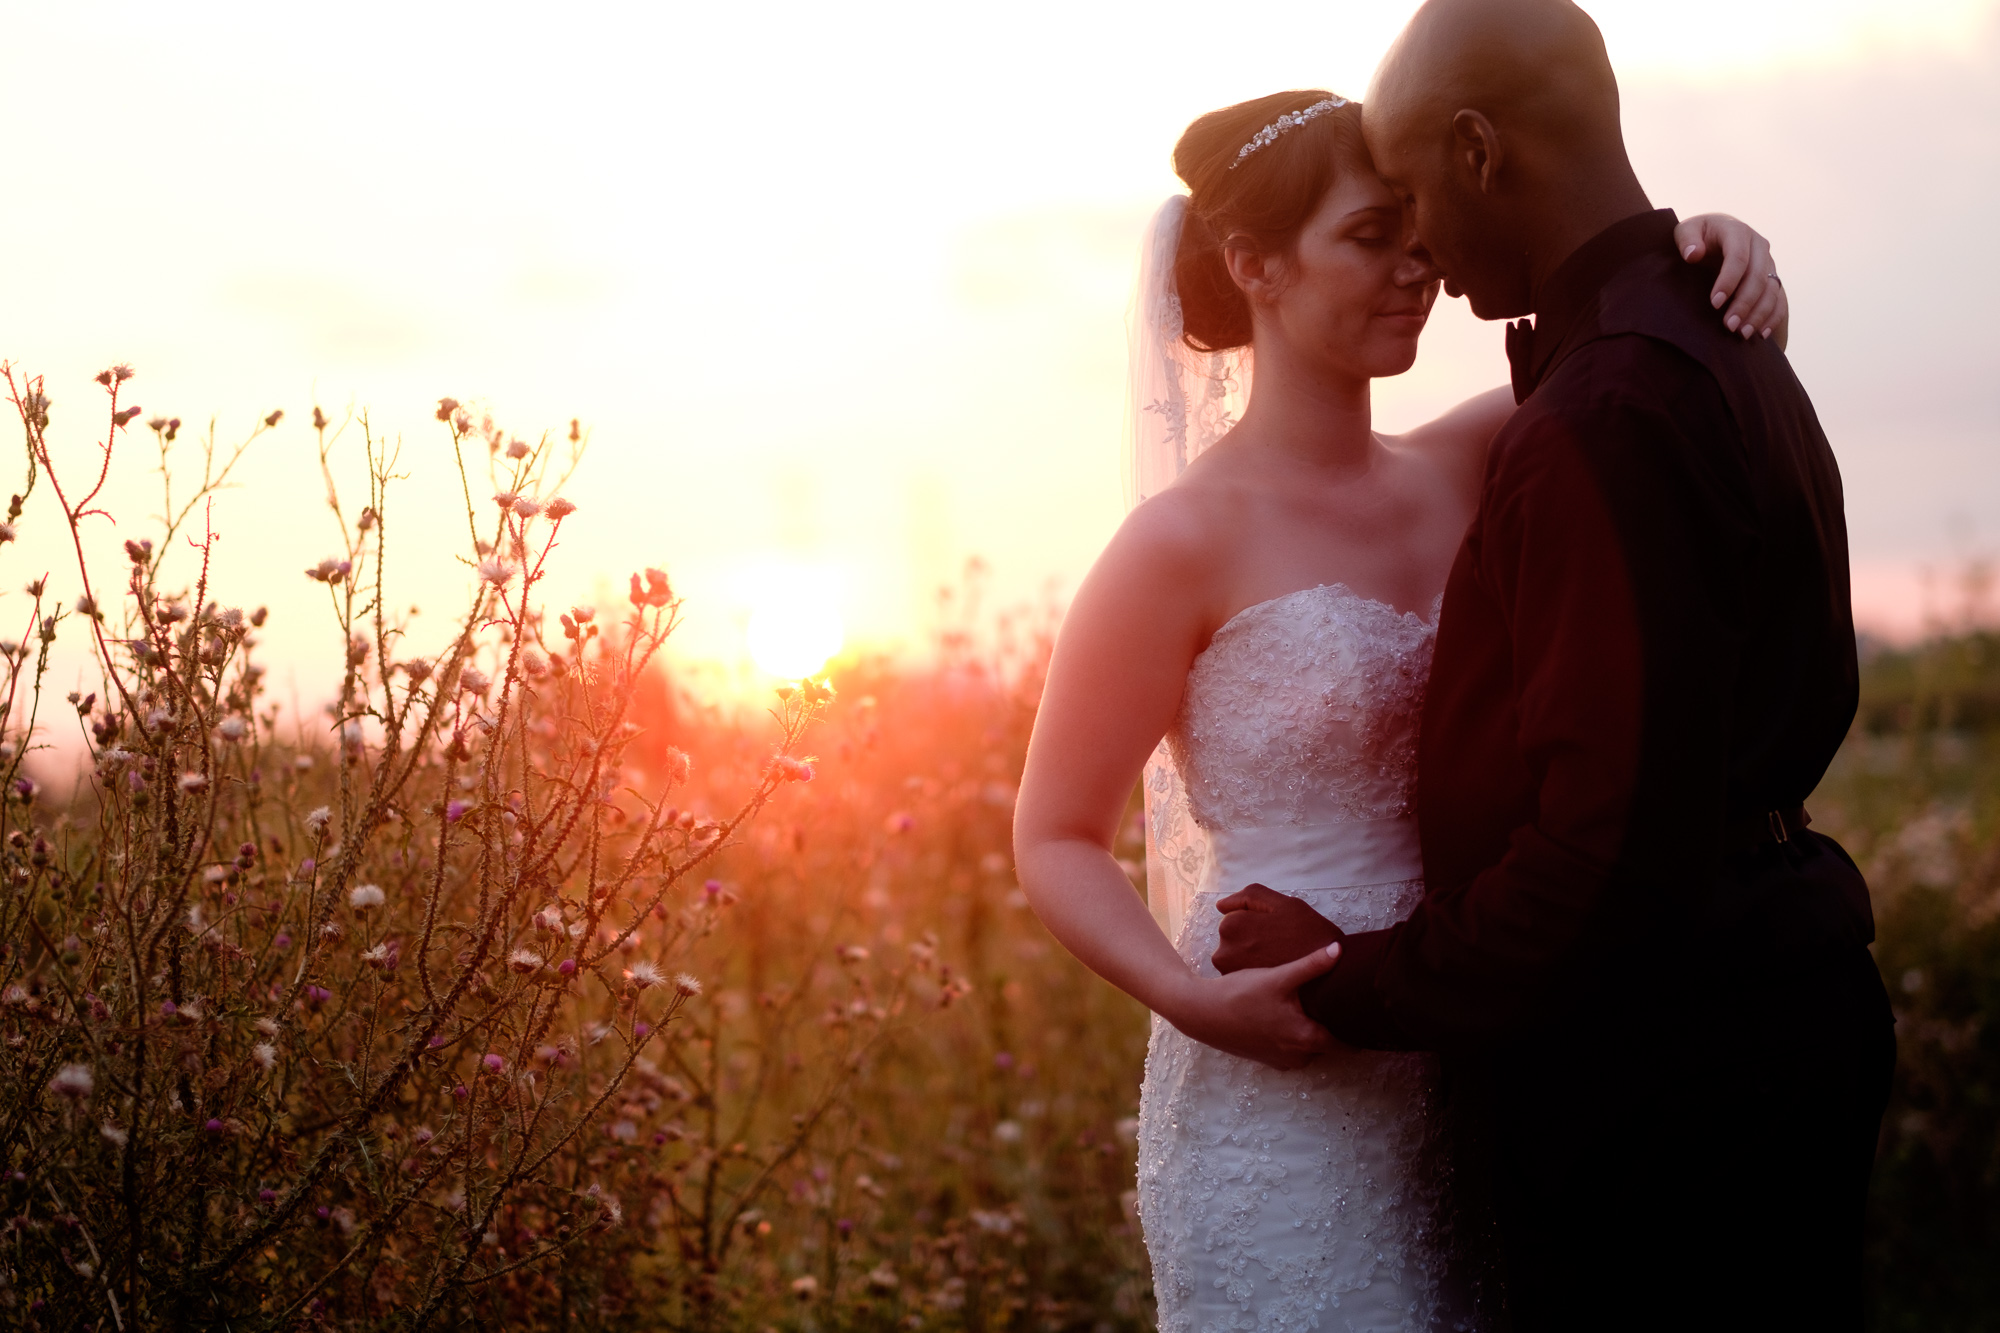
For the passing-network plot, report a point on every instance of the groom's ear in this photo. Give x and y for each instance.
(1475, 151)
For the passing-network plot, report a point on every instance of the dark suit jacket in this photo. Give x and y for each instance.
(1646, 638)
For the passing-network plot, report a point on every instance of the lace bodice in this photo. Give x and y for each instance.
(1304, 709)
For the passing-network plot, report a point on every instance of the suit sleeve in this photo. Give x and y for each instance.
(1603, 545)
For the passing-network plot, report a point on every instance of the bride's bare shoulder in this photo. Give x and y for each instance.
(1171, 547)
(1171, 534)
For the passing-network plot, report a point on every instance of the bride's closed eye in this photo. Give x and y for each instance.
(1372, 226)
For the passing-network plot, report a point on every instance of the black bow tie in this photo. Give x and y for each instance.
(1521, 357)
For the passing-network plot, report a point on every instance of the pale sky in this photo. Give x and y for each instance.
(840, 290)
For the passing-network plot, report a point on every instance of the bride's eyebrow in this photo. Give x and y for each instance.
(1372, 213)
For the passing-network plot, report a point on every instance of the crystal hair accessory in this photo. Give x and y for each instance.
(1290, 120)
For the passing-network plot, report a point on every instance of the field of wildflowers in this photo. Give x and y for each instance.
(528, 991)
(1915, 795)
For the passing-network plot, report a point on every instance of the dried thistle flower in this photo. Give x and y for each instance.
(330, 571)
(73, 1082)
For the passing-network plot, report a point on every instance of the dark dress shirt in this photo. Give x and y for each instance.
(1645, 640)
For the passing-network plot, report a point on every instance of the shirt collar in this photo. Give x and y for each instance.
(1571, 292)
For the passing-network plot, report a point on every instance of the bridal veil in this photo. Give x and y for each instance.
(1180, 401)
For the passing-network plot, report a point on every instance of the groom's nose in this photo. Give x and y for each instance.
(1418, 267)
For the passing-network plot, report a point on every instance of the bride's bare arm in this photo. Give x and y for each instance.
(1457, 441)
(1114, 684)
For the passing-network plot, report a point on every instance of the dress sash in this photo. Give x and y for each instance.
(1290, 857)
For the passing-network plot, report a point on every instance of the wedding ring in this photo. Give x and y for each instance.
(1775, 278)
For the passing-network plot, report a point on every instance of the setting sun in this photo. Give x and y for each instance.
(794, 621)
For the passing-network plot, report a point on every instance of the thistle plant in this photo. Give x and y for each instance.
(517, 986)
(333, 1026)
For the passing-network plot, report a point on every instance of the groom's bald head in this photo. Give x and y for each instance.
(1537, 64)
(1489, 115)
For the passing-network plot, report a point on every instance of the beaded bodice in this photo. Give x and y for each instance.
(1304, 709)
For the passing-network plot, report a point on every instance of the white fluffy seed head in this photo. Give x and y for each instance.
(75, 1082)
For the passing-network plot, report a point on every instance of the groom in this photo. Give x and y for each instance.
(1650, 980)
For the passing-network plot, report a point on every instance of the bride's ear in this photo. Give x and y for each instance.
(1257, 274)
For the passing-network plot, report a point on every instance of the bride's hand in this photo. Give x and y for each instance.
(1255, 1013)
(1747, 274)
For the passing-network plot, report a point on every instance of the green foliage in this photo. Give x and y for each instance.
(1915, 796)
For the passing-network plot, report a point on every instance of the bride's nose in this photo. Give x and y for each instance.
(1417, 267)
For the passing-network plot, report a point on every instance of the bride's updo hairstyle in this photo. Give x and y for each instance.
(1261, 201)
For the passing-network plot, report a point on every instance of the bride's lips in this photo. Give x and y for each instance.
(1407, 321)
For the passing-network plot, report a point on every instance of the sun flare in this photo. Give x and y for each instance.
(794, 625)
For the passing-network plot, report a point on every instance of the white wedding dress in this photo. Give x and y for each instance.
(1311, 1199)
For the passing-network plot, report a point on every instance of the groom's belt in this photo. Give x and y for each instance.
(1767, 829)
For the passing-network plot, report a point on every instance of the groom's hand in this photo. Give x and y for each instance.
(1264, 928)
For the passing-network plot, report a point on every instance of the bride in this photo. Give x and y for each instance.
(1269, 610)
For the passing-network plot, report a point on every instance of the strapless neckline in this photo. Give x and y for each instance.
(1303, 709)
(1336, 591)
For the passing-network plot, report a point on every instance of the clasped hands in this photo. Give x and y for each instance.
(1272, 944)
